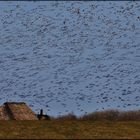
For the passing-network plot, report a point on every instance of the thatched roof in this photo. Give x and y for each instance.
(3, 114)
(16, 111)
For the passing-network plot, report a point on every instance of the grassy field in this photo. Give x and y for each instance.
(57, 129)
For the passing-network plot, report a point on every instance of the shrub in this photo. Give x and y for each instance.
(109, 115)
(102, 115)
(129, 116)
(113, 115)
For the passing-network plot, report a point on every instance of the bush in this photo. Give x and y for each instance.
(130, 116)
(109, 115)
(113, 115)
(102, 115)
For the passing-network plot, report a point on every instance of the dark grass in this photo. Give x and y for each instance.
(69, 129)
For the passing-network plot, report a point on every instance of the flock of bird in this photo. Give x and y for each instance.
(66, 56)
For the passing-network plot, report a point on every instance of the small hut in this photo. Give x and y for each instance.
(16, 111)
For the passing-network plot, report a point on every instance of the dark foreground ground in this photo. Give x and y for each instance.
(58, 129)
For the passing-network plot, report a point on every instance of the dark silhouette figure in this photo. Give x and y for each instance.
(41, 116)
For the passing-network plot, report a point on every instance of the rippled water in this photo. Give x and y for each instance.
(70, 56)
